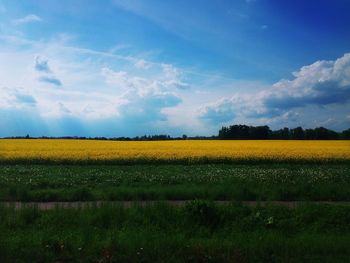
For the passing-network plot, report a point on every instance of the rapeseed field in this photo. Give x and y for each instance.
(42, 150)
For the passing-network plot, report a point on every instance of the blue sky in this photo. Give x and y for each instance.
(134, 67)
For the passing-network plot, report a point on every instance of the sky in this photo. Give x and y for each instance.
(134, 67)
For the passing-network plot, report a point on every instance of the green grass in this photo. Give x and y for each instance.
(327, 182)
(197, 232)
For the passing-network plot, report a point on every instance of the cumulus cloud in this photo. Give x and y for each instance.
(168, 79)
(320, 84)
(27, 19)
(142, 99)
(123, 80)
(147, 108)
(218, 112)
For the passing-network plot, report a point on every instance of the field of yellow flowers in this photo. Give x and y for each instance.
(42, 150)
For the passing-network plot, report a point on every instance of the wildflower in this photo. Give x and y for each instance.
(270, 220)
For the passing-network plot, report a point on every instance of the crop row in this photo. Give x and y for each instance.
(175, 182)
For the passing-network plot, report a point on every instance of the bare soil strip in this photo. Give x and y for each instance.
(83, 204)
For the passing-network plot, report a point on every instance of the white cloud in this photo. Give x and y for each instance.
(81, 80)
(123, 81)
(143, 98)
(104, 87)
(27, 19)
(321, 84)
(169, 79)
(142, 64)
(119, 100)
(170, 71)
(16, 98)
(220, 111)
(177, 84)
(57, 110)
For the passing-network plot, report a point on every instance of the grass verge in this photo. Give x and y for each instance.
(197, 232)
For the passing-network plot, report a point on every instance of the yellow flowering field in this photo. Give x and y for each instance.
(186, 150)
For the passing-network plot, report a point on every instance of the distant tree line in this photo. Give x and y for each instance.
(244, 132)
(233, 132)
(161, 137)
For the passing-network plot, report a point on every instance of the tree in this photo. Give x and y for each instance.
(310, 134)
(282, 134)
(322, 133)
(297, 133)
(259, 132)
(346, 134)
(244, 132)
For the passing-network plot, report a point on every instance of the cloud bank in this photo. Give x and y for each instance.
(320, 84)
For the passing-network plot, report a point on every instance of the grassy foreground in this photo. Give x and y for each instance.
(198, 232)
(289, 182)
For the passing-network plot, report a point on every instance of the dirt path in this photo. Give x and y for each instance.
(79, 204)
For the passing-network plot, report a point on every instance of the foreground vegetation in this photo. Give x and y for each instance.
(175, 182)
(72, 170)
(197, 232)
(185, 151)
